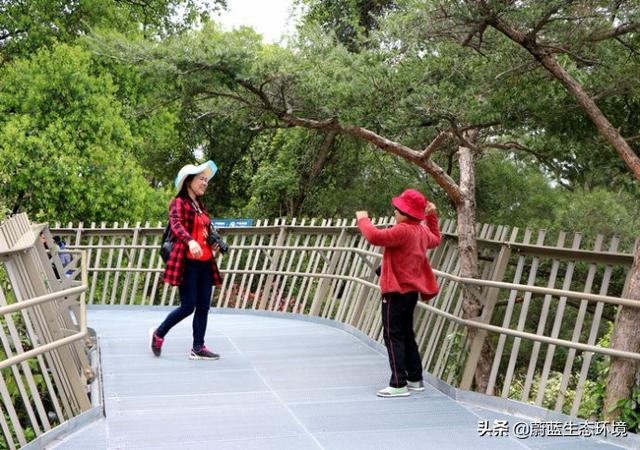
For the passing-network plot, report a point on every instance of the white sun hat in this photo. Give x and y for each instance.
(209, 168)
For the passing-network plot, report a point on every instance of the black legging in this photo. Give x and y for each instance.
(397, 321)
(195, 294)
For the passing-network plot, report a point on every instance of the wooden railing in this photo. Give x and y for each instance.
(44, 367)
(543, 303)
(546, 308)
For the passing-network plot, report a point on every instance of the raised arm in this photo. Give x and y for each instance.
(431, 222)
(390, 237)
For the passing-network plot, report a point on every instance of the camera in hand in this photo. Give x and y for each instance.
(214, 238)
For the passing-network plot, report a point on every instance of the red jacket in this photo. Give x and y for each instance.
(181, 217)
(405, 266)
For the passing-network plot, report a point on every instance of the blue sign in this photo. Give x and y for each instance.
(231, 223)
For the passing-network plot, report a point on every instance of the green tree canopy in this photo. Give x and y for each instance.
(64, 146)
(27, 25)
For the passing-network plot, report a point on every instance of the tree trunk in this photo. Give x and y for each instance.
(606, 129)
(318, 165)
(468, 251)
(626, 336)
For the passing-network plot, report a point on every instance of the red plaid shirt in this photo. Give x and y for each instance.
(181, 217)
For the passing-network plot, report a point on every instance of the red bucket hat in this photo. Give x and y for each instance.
(412, 203)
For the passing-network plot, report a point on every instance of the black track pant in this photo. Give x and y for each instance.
(397, 321)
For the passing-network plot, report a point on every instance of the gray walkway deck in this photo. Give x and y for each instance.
(280, 384)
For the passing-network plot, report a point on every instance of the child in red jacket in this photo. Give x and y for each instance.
(405, 274)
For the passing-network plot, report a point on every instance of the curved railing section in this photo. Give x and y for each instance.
(44, 365)
(547, 300)
(547, 305)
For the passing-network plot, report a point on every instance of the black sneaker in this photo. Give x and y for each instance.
(156, 343)
(203, 353)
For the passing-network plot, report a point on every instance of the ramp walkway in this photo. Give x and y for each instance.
(280, 384)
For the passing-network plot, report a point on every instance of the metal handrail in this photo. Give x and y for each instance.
(467, 281)
(542, 290)
(473, 281)
(563, 253)
(82, 333)
(470, 322)
(532, 336)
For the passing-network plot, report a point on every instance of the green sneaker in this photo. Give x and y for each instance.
(417, 386)
(393, 392)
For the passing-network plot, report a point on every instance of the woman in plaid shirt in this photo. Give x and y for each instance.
(191, 265)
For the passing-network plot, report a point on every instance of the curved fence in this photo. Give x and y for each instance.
(547, 308)
(44, 366)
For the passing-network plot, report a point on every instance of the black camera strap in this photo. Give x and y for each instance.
(196, 207)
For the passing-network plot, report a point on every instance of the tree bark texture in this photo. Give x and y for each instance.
(318, 165)
(626, 336)
(468, 257)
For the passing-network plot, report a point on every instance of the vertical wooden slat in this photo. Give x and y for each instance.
(557, 324)
(450, 297)
(314, 260)
(577, 330)
(270, 285)
(22, 391)
(250, 264)
(254, 265)
(524, 310)
(265, 261)
(323, 284)
(338, 267)
(231, 260)
(542, 322)
(371, 323)
(497, 360)
(447, 263)
(155, 261)
(6, 432)
(174, 293)
(593, 333)
(293, 255)
(116, 277)
(301, 256)
(127, 275)
(13, 416)
(107, 275)
(280, 280)
(96, 264)
(242, 254)
(136, 279)
(90, 251)
(350, 311)
(260, 296)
